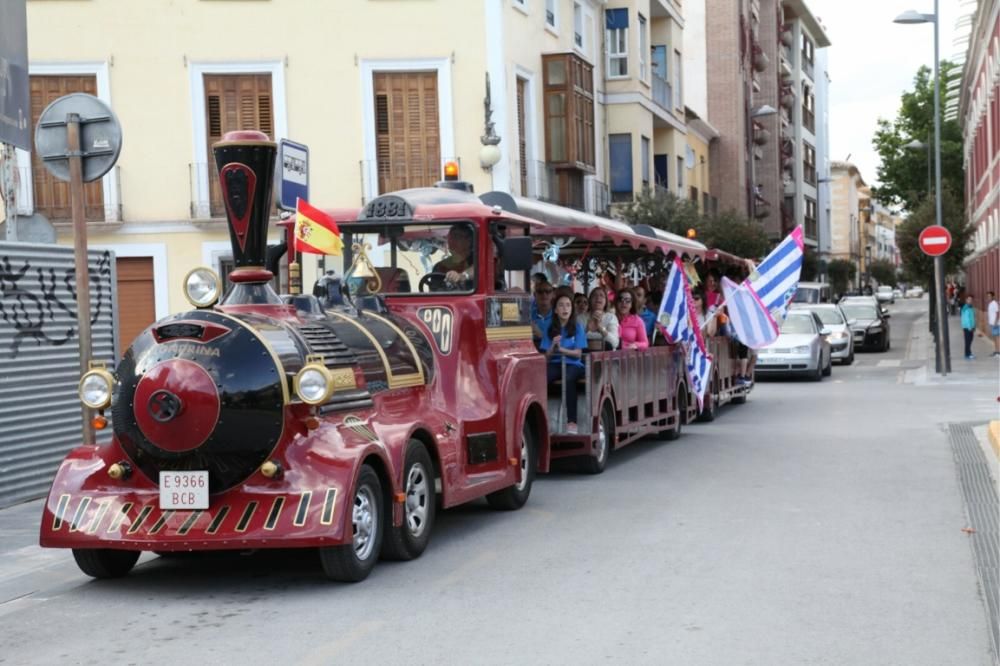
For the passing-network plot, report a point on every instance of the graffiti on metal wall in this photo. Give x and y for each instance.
(31, 297)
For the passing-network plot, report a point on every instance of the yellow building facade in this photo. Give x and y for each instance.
(383, 92)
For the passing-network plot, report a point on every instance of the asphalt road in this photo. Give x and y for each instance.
(817, 524)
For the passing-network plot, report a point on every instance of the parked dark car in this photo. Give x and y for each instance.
(871, 323)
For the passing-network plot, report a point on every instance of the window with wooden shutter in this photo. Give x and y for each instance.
(407, 130)
(234, 102)
(52, 194)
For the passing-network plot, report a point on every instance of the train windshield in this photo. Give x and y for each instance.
(411, 258)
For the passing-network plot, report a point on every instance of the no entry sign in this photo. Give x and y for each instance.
(934, 241)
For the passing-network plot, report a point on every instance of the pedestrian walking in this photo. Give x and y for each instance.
(968, 326)
(952, 293)
(993, 320)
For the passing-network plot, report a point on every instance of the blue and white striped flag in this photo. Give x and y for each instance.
(777, 277)
(673, 316)
(751, 322)
(699, 367)
(679, 324)
(758, 306)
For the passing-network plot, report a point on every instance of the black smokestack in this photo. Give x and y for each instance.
(246, 173)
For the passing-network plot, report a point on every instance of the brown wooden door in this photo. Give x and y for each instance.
(136, 297)
(234, 102)
(407, 131)
(52, 194)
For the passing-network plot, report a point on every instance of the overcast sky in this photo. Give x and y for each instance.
(872, 62)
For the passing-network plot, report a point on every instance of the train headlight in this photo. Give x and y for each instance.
(202, 287)
(95, 388)
(314, 384)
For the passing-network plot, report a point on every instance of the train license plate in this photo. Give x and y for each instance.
(184, 490)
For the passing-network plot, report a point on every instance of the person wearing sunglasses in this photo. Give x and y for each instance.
(631, 328)
(541, 311)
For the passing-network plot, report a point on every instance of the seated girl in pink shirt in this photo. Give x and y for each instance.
(631, 327)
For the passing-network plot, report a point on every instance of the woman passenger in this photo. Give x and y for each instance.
(632, 329)
(600, 325)
(563, 343)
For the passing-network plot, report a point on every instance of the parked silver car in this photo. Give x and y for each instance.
(803, 347)
(841, 340)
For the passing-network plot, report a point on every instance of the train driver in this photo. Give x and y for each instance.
(459, 266)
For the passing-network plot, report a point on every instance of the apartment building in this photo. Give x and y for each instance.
(649, 143)
(762, 98)
(802, 122)
(849, 215)
(979, 112)
(823, 190)
(586, 98)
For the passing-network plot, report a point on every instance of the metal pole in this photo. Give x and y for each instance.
(943, 346)
(76, 195)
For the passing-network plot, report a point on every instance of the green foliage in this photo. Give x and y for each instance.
(884, 271)
(840, 272)
(918, 265)
(729, 232)
(903, 172)
(735, 234)
(663, 210)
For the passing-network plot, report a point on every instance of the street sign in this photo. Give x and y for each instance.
(100, 136)
(293, 173)
(934, 241)
(15, 107)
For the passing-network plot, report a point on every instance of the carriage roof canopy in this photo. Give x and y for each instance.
(599, 232)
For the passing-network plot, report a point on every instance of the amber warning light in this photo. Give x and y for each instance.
(451, 170)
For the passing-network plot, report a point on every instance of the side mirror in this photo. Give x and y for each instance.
(517, 253)
(825, 332)
(852, 322)
(886, 314)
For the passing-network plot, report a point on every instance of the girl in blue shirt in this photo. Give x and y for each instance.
(564, 342)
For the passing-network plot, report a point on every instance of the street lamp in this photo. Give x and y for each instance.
(920, 145)
(942, 351)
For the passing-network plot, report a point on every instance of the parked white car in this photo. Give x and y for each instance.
(884, 294)
(914, 292)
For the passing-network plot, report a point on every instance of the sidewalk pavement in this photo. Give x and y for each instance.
(981, 374)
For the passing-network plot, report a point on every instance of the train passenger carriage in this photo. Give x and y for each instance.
(725, 386)
(625, 394)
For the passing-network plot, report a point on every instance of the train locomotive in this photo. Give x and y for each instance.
(253, 424)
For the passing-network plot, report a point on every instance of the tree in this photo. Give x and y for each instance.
(884, 271)
(729, 232)
(735, 234)
(903, 172)
(841, 272)
(915, 262)
(663, 210)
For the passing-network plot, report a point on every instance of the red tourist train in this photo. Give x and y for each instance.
(344, 419)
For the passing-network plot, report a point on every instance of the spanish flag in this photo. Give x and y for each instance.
(315, 231)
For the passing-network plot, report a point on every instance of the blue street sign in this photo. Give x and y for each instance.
(293, 173)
